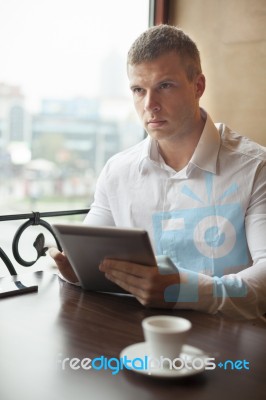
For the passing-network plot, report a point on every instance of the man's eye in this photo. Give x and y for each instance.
(137, 91)
(165, 85)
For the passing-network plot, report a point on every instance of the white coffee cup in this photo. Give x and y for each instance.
(165, 335)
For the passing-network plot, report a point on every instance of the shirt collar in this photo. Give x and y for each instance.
(206, 153)
(204, 157)
(149, 152)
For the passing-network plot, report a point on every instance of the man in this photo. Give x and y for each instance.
(199, 189)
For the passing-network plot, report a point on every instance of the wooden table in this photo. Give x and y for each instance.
(39, 330)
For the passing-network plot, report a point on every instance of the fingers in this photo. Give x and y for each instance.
(56, 254)
(130, 287)
(63, 265)
(138, 270)
(144, 282)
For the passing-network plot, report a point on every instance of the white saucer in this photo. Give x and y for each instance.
(140, 350)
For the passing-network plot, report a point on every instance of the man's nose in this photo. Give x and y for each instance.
(151, 102)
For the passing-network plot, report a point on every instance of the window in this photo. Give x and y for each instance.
(65, 105)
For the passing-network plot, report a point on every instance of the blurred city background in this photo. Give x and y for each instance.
(65, 105)
(55, 155)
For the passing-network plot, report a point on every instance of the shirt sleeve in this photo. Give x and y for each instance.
(240, 295)
(100, 213)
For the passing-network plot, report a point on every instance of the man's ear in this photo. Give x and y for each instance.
(199, 82)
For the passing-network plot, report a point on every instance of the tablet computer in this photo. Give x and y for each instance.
(86, 246)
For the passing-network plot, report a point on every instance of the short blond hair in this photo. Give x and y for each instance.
(161, 39)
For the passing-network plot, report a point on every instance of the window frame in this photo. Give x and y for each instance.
(159, 12)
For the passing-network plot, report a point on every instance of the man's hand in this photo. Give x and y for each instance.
(144, 282)
(63, 265)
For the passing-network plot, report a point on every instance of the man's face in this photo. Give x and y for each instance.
(165, 100)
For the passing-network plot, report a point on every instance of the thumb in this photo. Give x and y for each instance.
(63, 265)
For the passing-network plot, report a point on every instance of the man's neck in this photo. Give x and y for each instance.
(177, 154)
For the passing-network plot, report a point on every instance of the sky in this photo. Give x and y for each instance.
(57, 48)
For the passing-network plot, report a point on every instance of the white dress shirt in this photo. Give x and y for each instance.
(209, 218)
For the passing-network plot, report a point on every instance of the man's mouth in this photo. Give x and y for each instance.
(155, 123)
